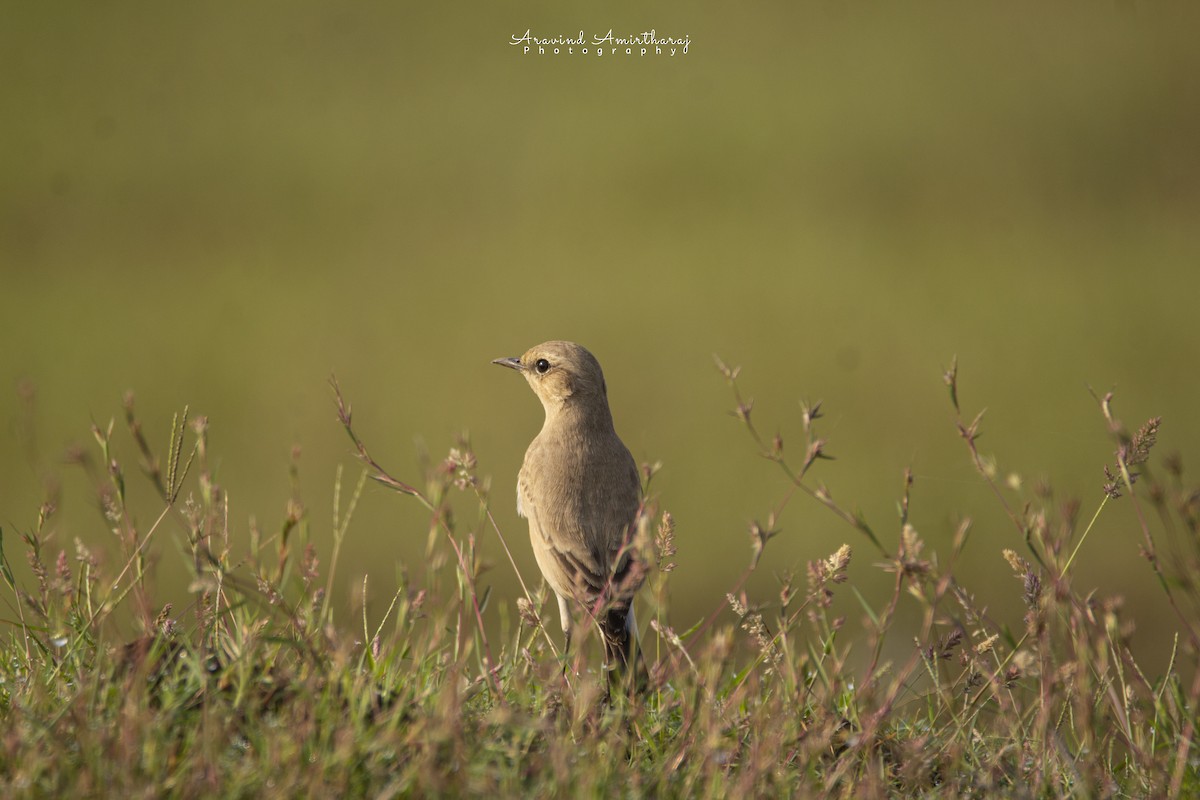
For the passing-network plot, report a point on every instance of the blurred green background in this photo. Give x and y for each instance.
(223, 206)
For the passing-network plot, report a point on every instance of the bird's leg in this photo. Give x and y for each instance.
(640, 675)
(564, 613)
(631, 626)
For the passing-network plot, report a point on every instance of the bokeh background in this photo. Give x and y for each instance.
(222, 206)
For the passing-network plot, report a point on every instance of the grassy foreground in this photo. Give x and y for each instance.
(254, 690)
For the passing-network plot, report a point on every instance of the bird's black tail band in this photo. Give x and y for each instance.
(622, 656)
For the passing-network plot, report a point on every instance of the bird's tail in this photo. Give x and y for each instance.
(622, 655)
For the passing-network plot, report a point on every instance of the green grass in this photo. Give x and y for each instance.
(258, 688)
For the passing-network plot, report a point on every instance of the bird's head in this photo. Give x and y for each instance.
(561, 374)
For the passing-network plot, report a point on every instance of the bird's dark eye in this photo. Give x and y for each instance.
(542, 366)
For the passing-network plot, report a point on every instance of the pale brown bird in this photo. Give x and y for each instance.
(580, 491)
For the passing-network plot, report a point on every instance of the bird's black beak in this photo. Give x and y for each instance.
(512, 363)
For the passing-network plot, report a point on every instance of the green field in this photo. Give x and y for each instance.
(219, 210)
(258, 688)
